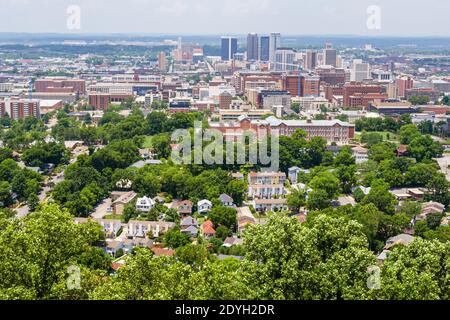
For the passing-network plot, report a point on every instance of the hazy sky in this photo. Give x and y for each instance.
(308, 17)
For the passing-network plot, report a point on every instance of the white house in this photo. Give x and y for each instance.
(361, 154)
(110, 227)
(204, 206)
(142, 229)
(293, 172)
(226, 200)
(145, 204)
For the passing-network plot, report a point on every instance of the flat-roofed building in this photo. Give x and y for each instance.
(20, 108)
(392, 108)
(61, 85)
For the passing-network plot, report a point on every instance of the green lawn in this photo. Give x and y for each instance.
(113, 217)
(148, 142)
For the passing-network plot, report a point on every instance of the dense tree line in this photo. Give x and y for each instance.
(325, 258)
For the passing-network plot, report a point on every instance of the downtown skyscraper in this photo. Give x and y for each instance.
(252, 47)
(330, 55)
(264, 48)
(275, 43)
(229, 48)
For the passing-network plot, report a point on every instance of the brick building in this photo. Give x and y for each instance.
(60, 85)
(20, 108)
(101, 101)
(331, 76)
(331, 130)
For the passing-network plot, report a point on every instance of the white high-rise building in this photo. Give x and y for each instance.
(284, 59)
(274, 44)
(360, 71)
(330, 55)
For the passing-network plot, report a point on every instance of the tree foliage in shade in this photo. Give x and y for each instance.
(37, 250)
(418, 271)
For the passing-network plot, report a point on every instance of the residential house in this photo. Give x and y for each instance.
(266, 185)
(184, 207)
(401, 194)
(293, 174)
(204, 206)
(265, 205)
(244, 218)
(152, 229)
(111, 227)
(265, 191)
(112, 247)
(145, 204)
(124, 184)
(402, 150)
(430, 208)
(120, 199)
(417, 193)
(226, 200)
(233, 241)
(266, 177)
(360, 154)
(117, 265)
(401, 239)
(207, 230)
(137, 242)
(163, 252)
(189, 226)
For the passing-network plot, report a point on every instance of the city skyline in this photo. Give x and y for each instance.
(205, 17)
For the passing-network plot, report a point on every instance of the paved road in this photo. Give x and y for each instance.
(443, 164)
(44, 194)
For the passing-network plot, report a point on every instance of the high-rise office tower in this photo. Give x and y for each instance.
(274, 44)
(229, 48)
(330, 55)
(284, 60)
(360, 71)
(264, 53)
(311, 59)
(252, 47)
(162, 61)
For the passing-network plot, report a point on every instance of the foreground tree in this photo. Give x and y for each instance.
(37, 250)
(418, 271)
(146, 277)
(325, 259)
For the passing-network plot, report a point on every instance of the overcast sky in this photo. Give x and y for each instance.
(294, 17)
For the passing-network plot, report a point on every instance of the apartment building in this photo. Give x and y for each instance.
(20, 108)
(150, 229)
(266, 185)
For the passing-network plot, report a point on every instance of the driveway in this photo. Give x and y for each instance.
(444, 162)
(102, 209)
